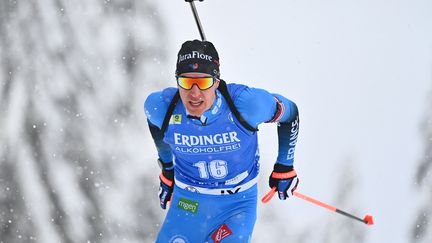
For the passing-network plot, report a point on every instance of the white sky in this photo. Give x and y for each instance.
(360, 72)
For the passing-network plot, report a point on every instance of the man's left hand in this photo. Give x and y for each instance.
(284, 179)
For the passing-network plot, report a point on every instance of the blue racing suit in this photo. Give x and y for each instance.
(216, 162)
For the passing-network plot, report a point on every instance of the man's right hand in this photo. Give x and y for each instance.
(166, 184)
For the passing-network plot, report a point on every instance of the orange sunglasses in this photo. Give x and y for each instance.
(202, 83)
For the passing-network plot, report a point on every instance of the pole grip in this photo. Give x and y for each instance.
(269, 195)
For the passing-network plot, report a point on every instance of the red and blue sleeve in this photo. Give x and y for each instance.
(259, 106)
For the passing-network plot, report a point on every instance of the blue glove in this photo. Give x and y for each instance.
(166, 183)
(284, 179)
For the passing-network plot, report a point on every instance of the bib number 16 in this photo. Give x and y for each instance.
(217, 169)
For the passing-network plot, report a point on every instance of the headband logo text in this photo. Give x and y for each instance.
(195, 54)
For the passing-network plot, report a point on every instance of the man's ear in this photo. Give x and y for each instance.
(217, 83)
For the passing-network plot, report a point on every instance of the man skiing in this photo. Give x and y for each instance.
(208, 150)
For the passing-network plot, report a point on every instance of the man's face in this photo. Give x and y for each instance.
(195, 100)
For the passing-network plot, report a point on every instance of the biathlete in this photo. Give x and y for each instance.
(205, 132)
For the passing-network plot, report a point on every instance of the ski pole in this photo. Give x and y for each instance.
(197, 20)
(368, 219)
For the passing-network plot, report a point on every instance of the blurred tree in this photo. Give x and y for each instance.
(74, 162)
(334, 228)
(422, 229)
